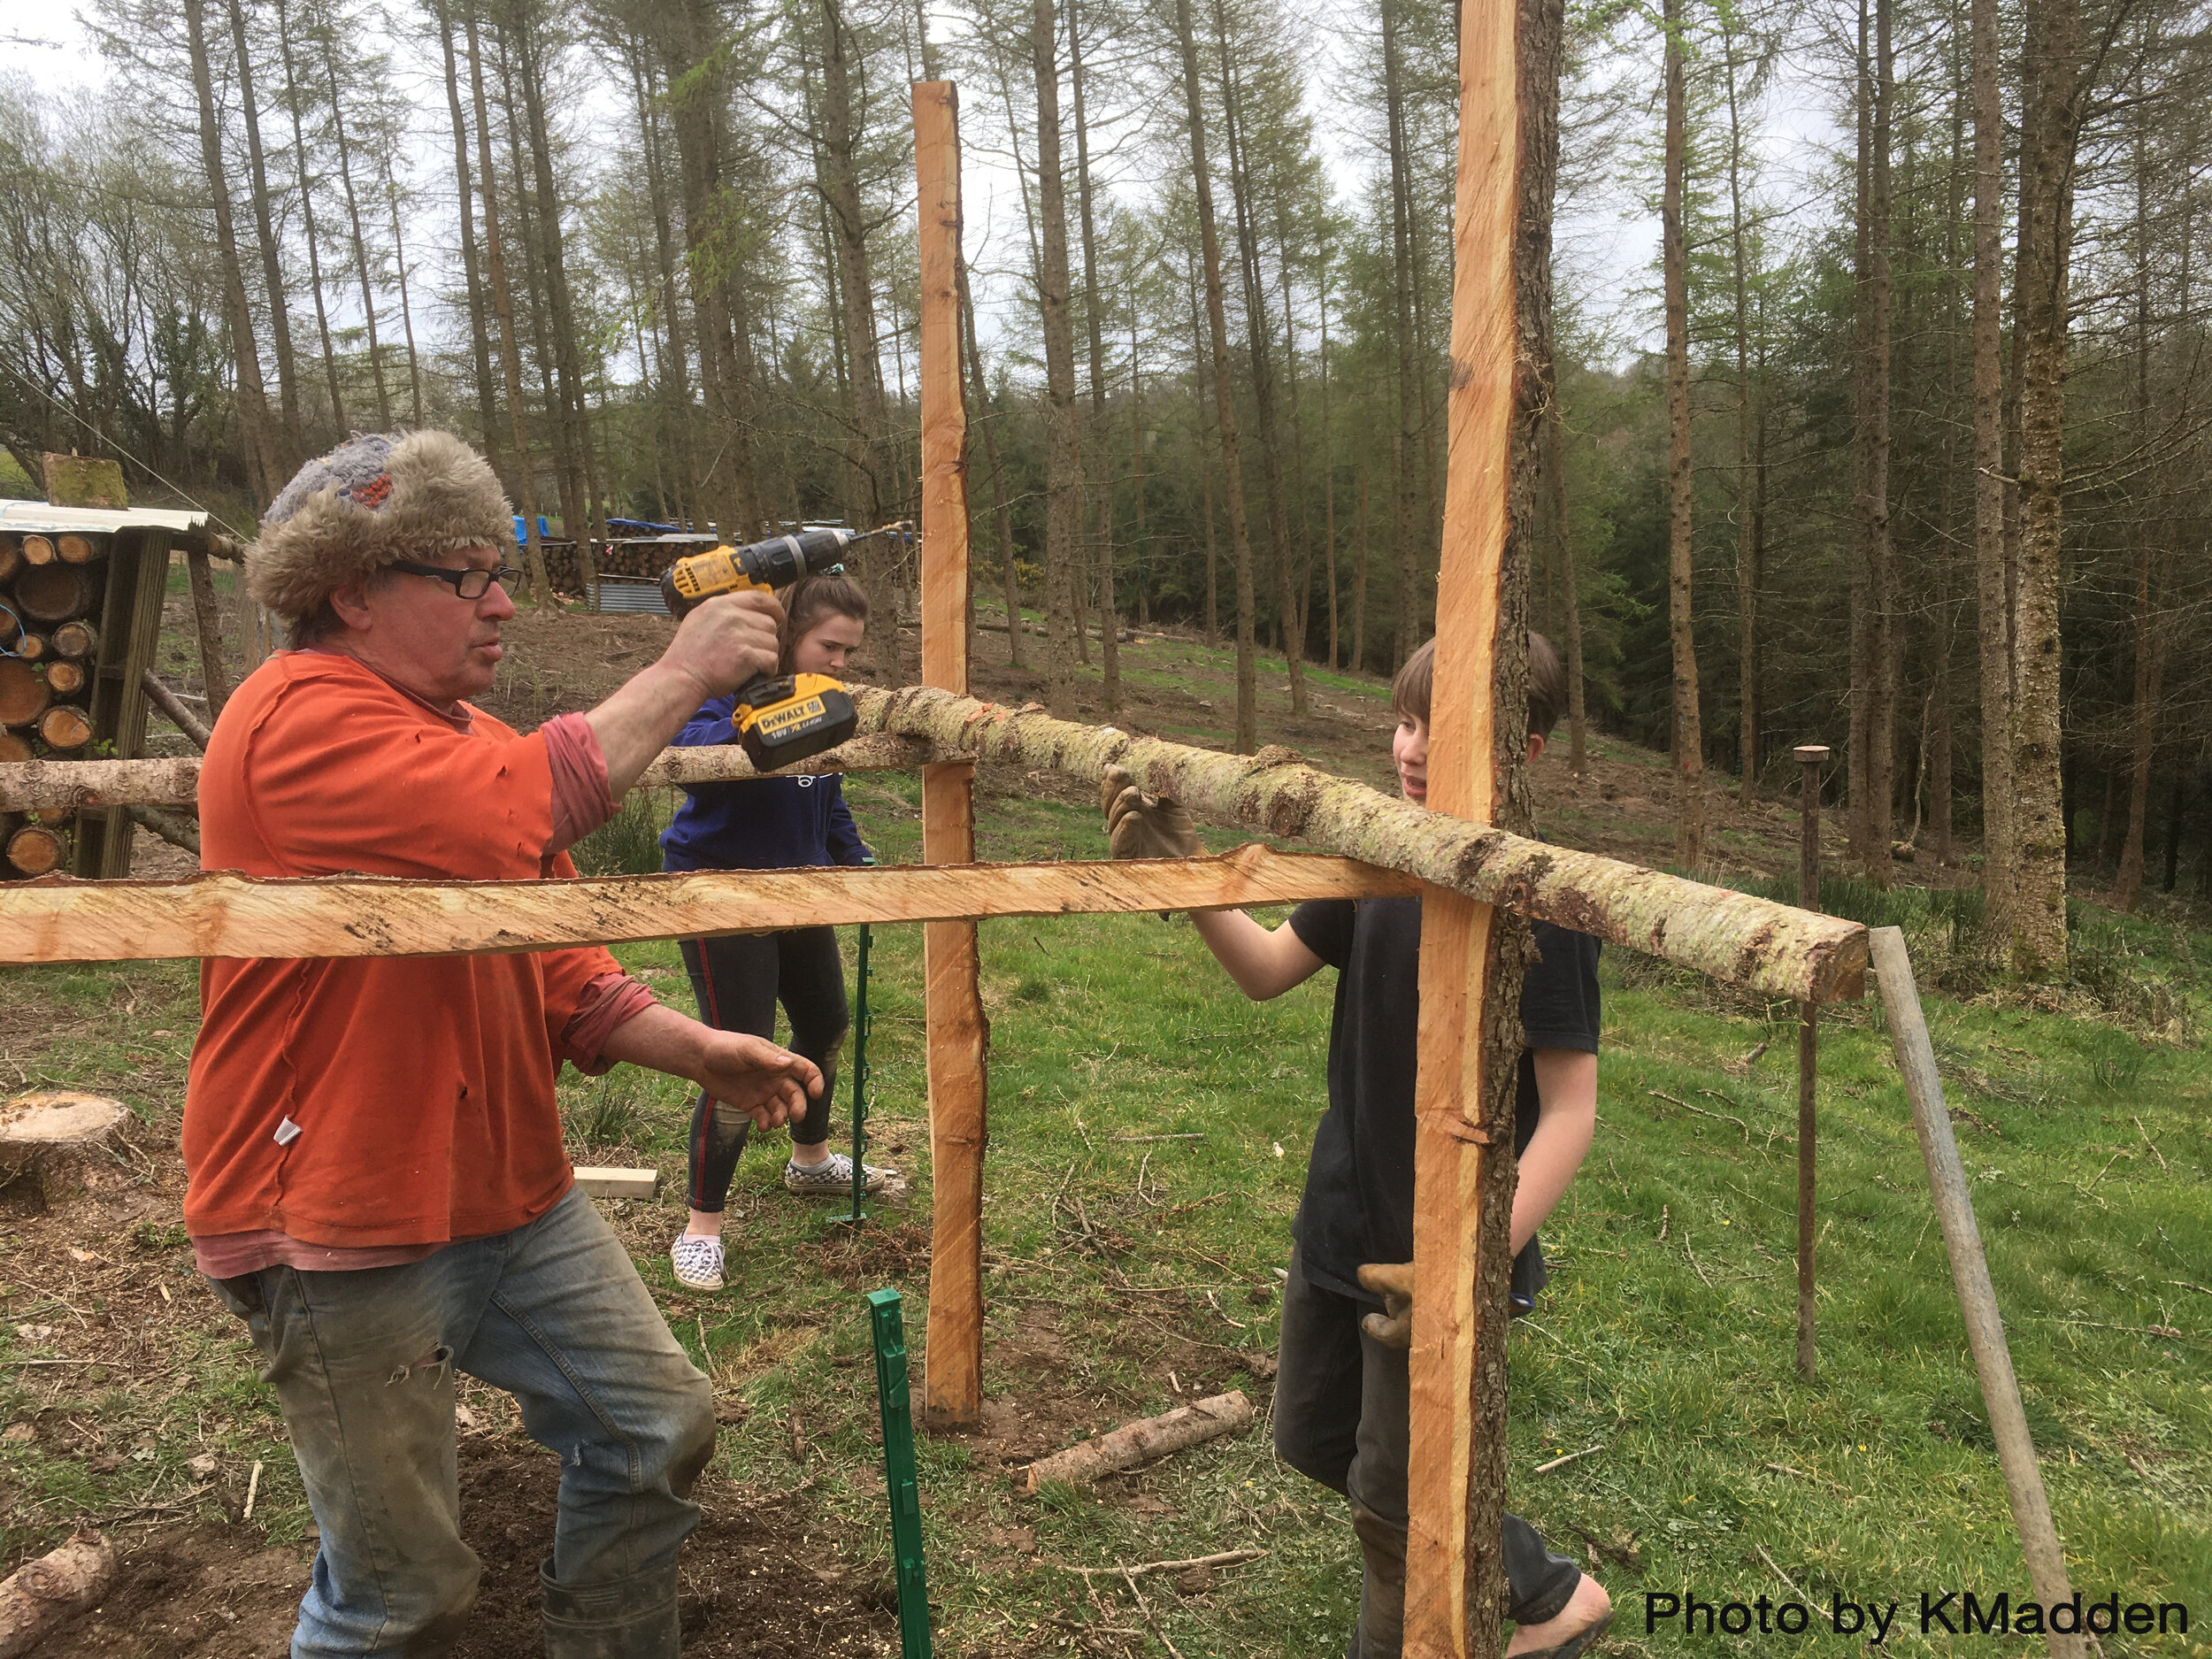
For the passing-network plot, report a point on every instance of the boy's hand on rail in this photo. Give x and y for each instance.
(1140, 826)
(1392, 1281)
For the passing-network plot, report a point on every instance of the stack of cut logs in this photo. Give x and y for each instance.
(50, 585)
(648, 559)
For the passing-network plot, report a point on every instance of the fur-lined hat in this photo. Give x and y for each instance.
(375, 498)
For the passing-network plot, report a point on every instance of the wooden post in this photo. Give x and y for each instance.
(1969, 1271)
(1811, 758)
(1468, 1040)
(958, 1036)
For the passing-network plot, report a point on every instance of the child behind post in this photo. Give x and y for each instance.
(1342, 1401)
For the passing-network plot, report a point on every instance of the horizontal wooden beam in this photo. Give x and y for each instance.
(1726, 935)
(66, 785)
(59, 920)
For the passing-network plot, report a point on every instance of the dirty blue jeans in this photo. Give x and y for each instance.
(363, 1363)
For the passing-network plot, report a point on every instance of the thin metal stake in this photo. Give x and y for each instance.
(895, 1402)
(861, 1023)
(1811, 758)
(1969, 1271)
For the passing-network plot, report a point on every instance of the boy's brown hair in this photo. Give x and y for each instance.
(808, 600)
(1416, 684)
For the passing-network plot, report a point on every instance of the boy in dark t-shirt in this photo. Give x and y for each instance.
(1341, 1412)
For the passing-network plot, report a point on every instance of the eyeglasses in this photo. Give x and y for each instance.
(472, 583)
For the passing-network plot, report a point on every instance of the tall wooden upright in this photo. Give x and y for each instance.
(952, 1389)
(1467, 1038)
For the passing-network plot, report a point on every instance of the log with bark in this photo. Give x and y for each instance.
(31, 648)
(80, 550)
(38, 550)
(23, 697)
(176, 831)
(65, 677)
(36, 849)
(1143, 1441)
(1725, 934)
(14, 749)
(41, 1595)
(76, 639)
(10, 557)
(64, 726)
(194, 728)
(52, 593)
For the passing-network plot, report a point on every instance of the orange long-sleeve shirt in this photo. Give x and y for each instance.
(383, 1101)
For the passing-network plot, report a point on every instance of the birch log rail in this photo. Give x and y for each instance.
(1720, 933)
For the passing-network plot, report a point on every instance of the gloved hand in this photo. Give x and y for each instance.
(1140, 826)
(1392, 1281)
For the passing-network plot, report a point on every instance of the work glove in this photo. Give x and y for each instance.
(1392, 1281)
(1140, 826)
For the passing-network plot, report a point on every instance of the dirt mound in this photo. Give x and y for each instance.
(752, 1586)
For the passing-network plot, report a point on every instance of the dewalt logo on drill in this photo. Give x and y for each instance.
(777, 721)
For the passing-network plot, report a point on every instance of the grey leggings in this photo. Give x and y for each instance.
(739, 980)
(1342, 1409)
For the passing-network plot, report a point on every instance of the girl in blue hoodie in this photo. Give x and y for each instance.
(769, 824)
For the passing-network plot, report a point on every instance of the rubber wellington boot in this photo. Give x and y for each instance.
(624, 1618)
(1382, 1597)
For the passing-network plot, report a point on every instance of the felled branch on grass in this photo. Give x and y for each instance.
(42, 1594)
(1724, 934)
(1144, 1441)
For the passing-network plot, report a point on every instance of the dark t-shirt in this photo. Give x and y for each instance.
(1358, 1205)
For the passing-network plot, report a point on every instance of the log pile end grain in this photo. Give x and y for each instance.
(80, 550)
(36, 850)
(76, 639)
(65, 727)
(53, 592)
(38, 550)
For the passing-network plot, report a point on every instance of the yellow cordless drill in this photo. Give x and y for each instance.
(784, 718)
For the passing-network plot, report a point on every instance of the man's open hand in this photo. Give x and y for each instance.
(771, 1086)
(1140, 826)
(1392, 1281)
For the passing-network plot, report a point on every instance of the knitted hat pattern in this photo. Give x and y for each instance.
(376, 498)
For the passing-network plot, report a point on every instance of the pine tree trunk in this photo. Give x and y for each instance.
(523, 232)
(1874, 675)
(294, 100)
(1108, 620)
(2050, 132)
(509, 348)
(272, 271)
(1689, 742)
(675, 404)
(982, 415)
(480, 332)
(360, 243)
(1259, 341)
(406, 309)
(1205, 465)
(1408, 519)
(264, 467)
(1328, 475)
(870, 494)
(1225, 392)
(1578, 749)
(1746, 565)
(2128, 886)
(1063, 454)
(1359, 584)
(1993, 627)
(1136, 474)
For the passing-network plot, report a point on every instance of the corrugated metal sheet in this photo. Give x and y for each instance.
(637, 595)
(18, 516)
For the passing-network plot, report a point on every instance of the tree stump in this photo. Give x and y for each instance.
(45, 1593)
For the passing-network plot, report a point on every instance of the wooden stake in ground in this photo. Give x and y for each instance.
(1811, 758)
(1470, 987)
(208, 619)
(1143, 1441)
(52, 1590)
(958, 1035)
(1969, 1271)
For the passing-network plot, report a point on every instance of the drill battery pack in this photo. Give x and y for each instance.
(780, 721)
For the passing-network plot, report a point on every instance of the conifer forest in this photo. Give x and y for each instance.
(1878, 392)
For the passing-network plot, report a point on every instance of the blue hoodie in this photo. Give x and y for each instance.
(761, 823)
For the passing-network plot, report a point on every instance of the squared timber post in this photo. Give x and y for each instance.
(952, 1386)
(1469, 1032)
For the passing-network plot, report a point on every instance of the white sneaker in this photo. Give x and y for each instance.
(831, 1177)
(697, 1261)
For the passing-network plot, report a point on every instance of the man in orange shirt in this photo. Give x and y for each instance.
(378, 1185)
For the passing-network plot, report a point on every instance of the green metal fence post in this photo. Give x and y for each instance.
(895, 1400)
